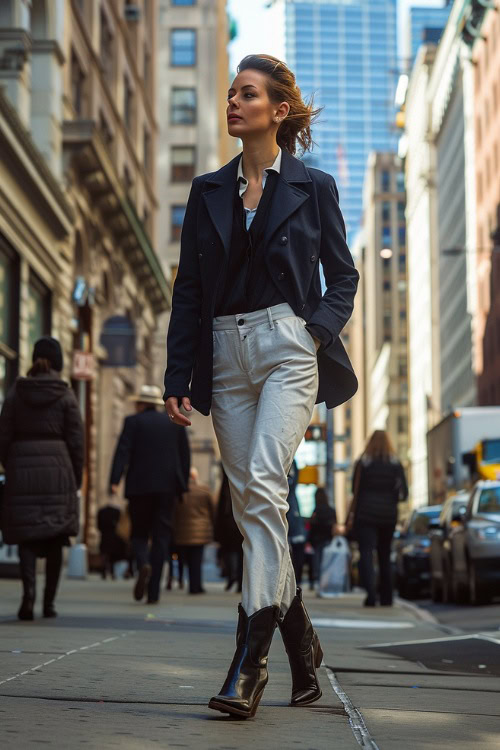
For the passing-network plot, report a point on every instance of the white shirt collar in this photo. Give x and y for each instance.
(243, 182)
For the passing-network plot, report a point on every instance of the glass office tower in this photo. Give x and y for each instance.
(345, 53)
(426, 24)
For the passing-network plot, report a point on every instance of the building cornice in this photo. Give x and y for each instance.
(15, 137)
(90, 160)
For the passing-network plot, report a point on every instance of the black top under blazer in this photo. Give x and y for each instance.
(305, 226)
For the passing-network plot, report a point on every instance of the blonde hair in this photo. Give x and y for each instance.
(282, 87)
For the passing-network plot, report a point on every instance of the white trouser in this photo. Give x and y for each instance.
(264, 389)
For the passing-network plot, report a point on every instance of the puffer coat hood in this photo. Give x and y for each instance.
(41, 449)
(41, 391)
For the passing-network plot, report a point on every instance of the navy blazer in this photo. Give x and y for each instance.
(154, 453)
(305, 227)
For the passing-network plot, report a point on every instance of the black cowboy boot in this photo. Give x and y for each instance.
(247, 676)
(52, 572)
(304, 652)
(27, 560)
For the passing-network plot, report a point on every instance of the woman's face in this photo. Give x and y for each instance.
(249, 109)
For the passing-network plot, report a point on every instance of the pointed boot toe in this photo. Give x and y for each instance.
(247, 676)
(304, 652)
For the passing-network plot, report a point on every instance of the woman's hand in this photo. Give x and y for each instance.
(316, 341)
(172, 409)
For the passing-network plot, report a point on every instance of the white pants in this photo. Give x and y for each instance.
(264, 389)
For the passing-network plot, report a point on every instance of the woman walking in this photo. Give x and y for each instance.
(253, 338)
(320, 534)
(379, 483)
(41, 448)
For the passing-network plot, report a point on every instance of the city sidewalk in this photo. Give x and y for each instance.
(110, 672)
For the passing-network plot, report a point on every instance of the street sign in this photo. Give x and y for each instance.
(83, 365)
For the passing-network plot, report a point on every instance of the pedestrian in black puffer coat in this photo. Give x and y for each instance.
(379, 483)
(41, 448)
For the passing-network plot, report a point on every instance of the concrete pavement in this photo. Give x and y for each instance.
(109, 672)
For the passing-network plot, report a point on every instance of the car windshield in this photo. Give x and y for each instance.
(489, 501)
(421, 521)
(491, 451)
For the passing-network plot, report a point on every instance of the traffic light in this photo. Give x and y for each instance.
(316, 432)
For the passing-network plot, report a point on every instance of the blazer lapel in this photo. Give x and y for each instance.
(288, 197)
(219, 200)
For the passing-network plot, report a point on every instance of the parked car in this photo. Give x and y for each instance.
(475, 546)
(412, 552)
(451, 517)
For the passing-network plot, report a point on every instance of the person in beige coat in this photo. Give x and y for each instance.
(194, 527)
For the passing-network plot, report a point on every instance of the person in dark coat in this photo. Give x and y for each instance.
(296, 528)
(228, 535)
(379, 483)
(154, 454)
(112, 547)
(323, 521)
(42, 450)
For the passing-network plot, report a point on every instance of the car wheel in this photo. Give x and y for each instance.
(478, 590)
(407, 590)
(459, 591)
(447, 592)
(436, 591)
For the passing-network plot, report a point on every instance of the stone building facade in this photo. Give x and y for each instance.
(486, 56)
(192, 85)
(78, 89)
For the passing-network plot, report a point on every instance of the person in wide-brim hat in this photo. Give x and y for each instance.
(148, 394)
(153, 454)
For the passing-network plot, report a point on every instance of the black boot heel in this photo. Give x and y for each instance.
(247, 677)
(304, 652)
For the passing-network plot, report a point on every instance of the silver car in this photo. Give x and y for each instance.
(475, 546)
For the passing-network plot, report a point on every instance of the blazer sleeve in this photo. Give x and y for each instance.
(121, 458)
(74, 436)
(184, 327)
(341, 277)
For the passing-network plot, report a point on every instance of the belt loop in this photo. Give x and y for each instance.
(270, 318)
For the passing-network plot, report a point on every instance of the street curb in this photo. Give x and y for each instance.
(420, 614)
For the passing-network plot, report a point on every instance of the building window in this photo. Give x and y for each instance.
(402, 236)
(183, 47)
(106, 49)
(401, 210)
(386, 236)
(176, 223)
(183, 110)
(402, 263)
(38, 310)
(78, 80)
(387, 286)
(385, 181)
(128, 102)
(183, 163)
(9, 318)
(183, 2)
(400, 182)
(386, 211)
(402, 425)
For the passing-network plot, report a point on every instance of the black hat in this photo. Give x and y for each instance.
(49, 348)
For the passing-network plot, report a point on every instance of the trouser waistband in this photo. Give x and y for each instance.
(253, 319)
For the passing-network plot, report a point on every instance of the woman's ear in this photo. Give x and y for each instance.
(282, 111)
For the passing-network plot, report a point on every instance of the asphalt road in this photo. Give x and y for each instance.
(464, 618)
